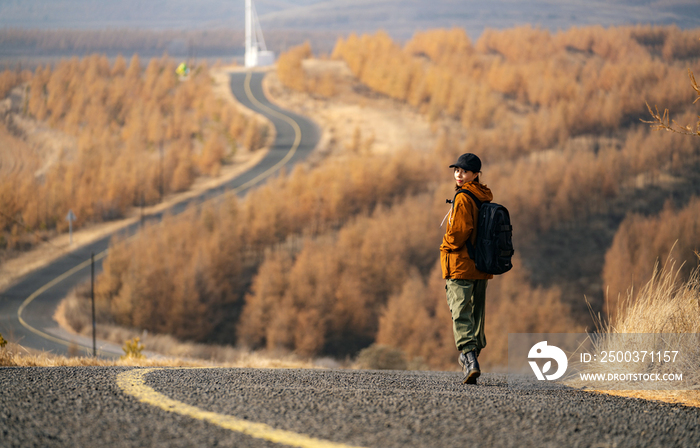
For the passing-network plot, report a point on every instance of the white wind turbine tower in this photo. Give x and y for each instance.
(256, 53)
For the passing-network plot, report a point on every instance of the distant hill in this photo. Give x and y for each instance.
(400, 18)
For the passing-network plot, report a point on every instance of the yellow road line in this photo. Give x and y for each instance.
(50, 284)
(292, 150)
(133, 383)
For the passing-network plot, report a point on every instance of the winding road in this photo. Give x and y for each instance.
(201, 407)
(27, 307)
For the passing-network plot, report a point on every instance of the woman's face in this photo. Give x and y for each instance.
(462, 177)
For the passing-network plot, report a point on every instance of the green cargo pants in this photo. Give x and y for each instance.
(467, 301)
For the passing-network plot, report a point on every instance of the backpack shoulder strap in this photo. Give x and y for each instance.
(470, 246)
(471, 195)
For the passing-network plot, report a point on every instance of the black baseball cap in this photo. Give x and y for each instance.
(468, 162)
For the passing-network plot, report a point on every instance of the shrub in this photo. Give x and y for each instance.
(133, 348)
(381, 357)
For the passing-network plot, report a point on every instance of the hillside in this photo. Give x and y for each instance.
(566, 253)
(108, 141)
(344, 252)
(402, 18)
(570, 256)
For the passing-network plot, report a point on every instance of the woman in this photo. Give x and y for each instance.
(466, 286)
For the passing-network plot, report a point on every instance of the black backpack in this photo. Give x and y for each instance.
(493, 249)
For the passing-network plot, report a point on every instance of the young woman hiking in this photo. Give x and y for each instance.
(465, 285)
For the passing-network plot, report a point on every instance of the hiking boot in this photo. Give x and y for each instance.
(470, 367)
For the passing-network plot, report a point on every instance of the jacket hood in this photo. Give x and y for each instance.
(481, 191)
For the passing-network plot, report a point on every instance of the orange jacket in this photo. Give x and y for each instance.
(461, 225)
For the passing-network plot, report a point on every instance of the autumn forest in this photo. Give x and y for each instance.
(328, 259)
(140, 134)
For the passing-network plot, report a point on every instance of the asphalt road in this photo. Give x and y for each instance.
(121, 407)
(32, 325)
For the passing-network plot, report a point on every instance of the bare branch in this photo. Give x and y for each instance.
(695, 85)
(663, 122)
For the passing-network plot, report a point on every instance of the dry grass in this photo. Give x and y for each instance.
(355, 119)
(14, 355)
(688, 398)
(74, 315)
(665, 305)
